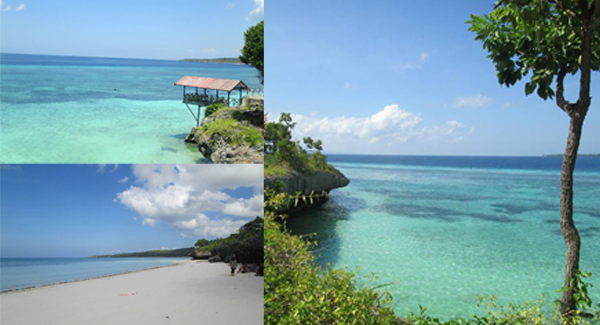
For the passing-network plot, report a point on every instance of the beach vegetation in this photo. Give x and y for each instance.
(253, 52)
(286, 155)
(545, 42)
(246, 243)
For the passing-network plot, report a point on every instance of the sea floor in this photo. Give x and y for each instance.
(112, 130)
(442, 237)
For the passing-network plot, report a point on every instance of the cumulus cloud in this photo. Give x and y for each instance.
(183, 197)
(258, 12)
(475, 101)
(389, 126)
(230, 5)
(124, 179)
(423, 57)
(20, 7)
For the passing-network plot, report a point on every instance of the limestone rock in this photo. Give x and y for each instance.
(215, 259)
(226, 147)
(307, 183)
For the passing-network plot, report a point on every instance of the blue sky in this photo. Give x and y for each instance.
(128, 29)
(404, 77)
(83, 210)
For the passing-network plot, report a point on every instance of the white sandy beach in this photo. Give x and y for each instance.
(189, 293)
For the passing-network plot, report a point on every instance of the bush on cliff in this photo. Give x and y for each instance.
(210, 109)
(298, 291)
(285, 155)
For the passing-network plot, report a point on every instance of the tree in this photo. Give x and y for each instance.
(253, 52)
(546, 40)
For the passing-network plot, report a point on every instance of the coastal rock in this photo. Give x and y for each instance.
(256, 101)
(319, 184)
(200, 255)
(232, 136)
(215, 259)
(307, 183)
(191, 138)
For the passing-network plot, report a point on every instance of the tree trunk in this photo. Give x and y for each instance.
(569, 231)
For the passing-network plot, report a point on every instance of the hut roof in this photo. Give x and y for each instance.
(211, 83)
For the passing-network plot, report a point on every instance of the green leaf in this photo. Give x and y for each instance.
(529, 88)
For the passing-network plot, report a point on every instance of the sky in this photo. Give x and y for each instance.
(148, 29)
(405, 77)
(84, 210)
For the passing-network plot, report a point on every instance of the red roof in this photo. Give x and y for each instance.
(210, 83)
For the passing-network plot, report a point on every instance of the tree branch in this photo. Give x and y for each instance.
(560, 92)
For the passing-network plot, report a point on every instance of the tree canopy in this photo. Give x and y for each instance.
(253, 52)
(539, 38)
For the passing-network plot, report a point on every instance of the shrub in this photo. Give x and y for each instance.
(298, 291)
(211, 109)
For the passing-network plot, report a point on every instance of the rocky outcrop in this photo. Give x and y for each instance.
(232, 135)
(307, 183)
(307, 190)
(200, 255)
(215, 259)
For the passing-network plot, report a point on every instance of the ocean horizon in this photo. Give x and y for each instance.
(441, 231)
(68, 109)
(26, 272)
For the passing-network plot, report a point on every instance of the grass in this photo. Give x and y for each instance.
(234, 130)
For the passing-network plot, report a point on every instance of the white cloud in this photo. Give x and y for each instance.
(230, 5)
(347, 85)
(7, 8)
(258, 12)
(182, 196)
(21, 7)
(475, 101)
(209, 50)
(124, 179)
(423, 57)
(389, 126)
(104, 168)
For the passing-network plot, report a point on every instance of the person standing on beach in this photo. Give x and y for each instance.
(232, 264)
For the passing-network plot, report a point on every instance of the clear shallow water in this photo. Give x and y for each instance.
(59, 109)
(26, 272)
(444, 230)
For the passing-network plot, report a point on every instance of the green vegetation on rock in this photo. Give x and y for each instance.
(285, 155)
(211, 109)
(237, 132)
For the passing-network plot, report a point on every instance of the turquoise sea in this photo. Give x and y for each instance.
(444, 230)
(18, 273)
(60, 109)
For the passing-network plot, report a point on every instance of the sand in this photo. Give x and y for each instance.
(188, 293)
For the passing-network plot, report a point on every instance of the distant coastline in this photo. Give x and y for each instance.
(181, 252)
(216, 60)
(579, 155)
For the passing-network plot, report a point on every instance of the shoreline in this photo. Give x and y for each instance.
(182, 293)
(2, 292)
